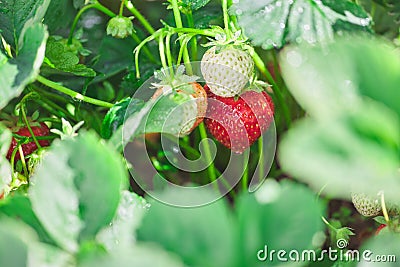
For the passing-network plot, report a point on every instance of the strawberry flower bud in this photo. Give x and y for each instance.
(120, 27)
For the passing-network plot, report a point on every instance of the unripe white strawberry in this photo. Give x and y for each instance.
(366, 205)
(227, 71)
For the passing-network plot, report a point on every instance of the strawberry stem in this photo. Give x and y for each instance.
(211, 168)
(260, 146)
(111, 14)
(139, 16)
(178, 22)
(168, 50)
(140, 46)
(384, 209)
(24, 117)
(226, 16)
(121, 8)
(189, 17)
(72, 93)
(277, 90)
(22, 156)
(97, 6)
(245, 178)
(205, 32)
(161, 48)
(12, 161)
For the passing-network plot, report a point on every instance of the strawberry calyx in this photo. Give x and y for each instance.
(174, 81)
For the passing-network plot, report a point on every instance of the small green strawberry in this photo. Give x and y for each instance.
(227, 70)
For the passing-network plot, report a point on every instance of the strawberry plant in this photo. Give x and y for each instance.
(199, 133)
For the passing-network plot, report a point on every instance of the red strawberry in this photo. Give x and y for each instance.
(379, 229)
(38, 129)
(238, 123)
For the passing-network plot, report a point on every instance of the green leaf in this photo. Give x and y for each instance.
(344, 233)
(273, 23)
(41, 254)
(327, 80)
(358, 151)
(385, 245)
(13, 248)
(186, 231)
(19, 248)
(131, 127)
(62, 57)
(58, 208)
(70, 210)
(8, 73)
(18, 15)
(192, 5)
(116, 55)
(205, 18)
(19, 207)
(5, 167)
(121, 232)
(283, 216)
(116, 115)
(143, 255)
(169, 114)
(393, 8)
(16, 73)
(60, 14)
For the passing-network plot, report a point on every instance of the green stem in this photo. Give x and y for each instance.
(53, 108)
(146, 51)
(22, 156)
(168, 50)
(97, 6)
(50, 95)
(24, 117)
(139, 16)
(226, 15)
(278, 77)
(328, 224)
(277, 91)
(162, 51)
(12, 161)
(207, 151)
(233, 17)
(193, 46)
(373, 10)
(140, 46)
(72, 93)
(178, 22)
(260, 159)
(204, 32)
(121, 8)
(195, 154)
(384, 209)
(245, 178)
(111, 14)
